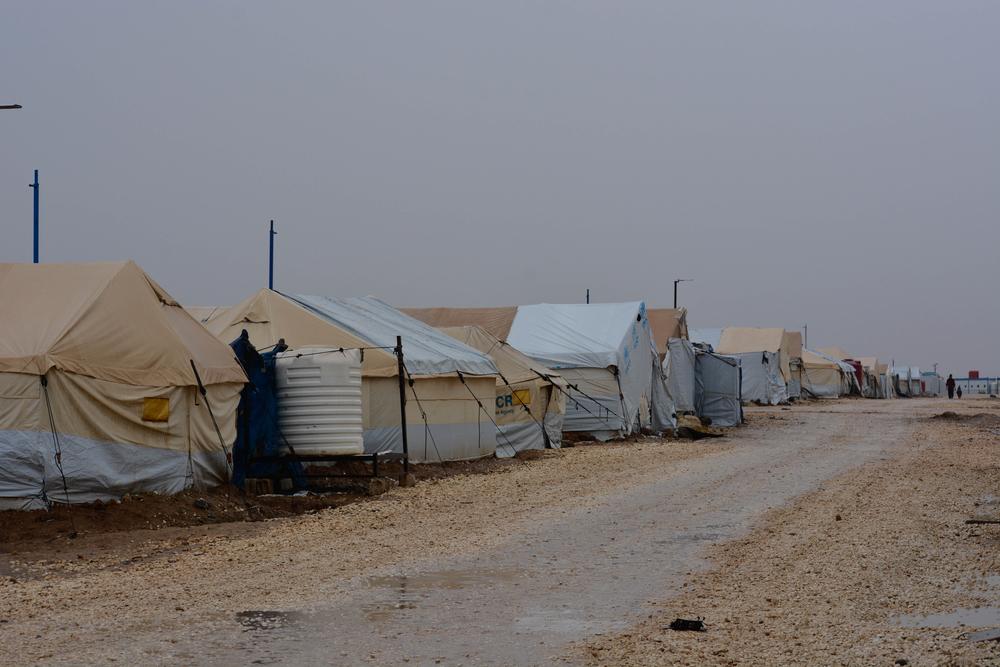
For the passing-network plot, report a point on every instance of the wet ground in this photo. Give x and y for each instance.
(591, 570)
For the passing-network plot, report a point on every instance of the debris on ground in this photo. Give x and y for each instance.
(687, 625)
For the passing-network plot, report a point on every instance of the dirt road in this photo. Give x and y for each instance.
(576, 557)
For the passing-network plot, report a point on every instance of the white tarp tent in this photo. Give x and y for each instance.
(531, 398)
(718, 388)
(443, 419)
(679, 367)
(606, 353)
(97, 387)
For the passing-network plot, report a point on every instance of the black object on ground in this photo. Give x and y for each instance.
(688, 625)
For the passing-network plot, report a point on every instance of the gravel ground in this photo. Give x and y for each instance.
(126, 601)
(824, 580)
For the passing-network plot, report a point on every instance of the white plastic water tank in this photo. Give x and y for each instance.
(319, 400)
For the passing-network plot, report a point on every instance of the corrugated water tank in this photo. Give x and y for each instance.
(319, 400)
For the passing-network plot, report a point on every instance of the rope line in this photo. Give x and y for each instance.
(423, 415)
(55, 437)
(488, 415)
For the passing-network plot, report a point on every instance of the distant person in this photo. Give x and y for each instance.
(950, 384)
(959, 391)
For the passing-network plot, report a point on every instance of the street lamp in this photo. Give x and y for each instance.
(680, 280)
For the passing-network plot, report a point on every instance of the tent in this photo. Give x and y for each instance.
(606, 353)
(98, 392)
(679, 364)
(792, 343)
(872, 386)
(764, 358)
(530, 398)
(709, 337)
(449, 380)
(822, 376)
(718, 394)
(667, 323)
(204, 313)
(703, 383)
(495, 321)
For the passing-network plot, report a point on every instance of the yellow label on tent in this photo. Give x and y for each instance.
(522, 397)
(155, 409)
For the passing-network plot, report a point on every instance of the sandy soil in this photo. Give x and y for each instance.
(826, 579)
(145, 585)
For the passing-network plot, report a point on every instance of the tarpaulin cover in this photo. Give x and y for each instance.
(710, 337)
(426, 350)
(737, 340)
(612, 346)
(762, 381)
(526, 399)
(679, 367)
(717, 388)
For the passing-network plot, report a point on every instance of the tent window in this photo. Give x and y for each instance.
(155, 409)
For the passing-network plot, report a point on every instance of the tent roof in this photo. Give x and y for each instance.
(836, 352)
(868, 362)
(706, 336)
(106, 320)
(793, 343)
(816, 359)
(204, 313)
(667, 323)
(574, 335)
(737, 340)
(426, 350)
(515, 366)
(269, 316)
(496, 321)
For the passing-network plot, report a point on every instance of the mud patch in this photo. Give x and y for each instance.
(979, 419)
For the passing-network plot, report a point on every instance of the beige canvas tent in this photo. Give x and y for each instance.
(765, 357)
(204, 313)
(822, 375)
(97, 387)
(530, 400)
(667, 323)
(444, 422)
(792, 344)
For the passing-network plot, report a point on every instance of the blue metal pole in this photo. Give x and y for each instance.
(270, 258)
(34, 186)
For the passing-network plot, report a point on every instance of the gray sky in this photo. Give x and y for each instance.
(835, 164)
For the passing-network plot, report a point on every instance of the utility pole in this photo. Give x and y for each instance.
(680, 280)
(588, 296)
(34, 186)
(270, 257)
(805, 336)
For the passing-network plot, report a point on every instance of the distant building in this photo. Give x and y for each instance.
(978, 384)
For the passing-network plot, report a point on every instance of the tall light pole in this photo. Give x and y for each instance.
(270, 257)
(805, 336)
(680, 280)
(34, 186)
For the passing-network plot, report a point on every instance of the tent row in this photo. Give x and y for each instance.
(109, 387)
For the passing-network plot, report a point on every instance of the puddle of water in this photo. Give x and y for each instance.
(264, 621)
(973, 617)
(408, 591)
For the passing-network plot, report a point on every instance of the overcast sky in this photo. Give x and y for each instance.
(836, 164)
